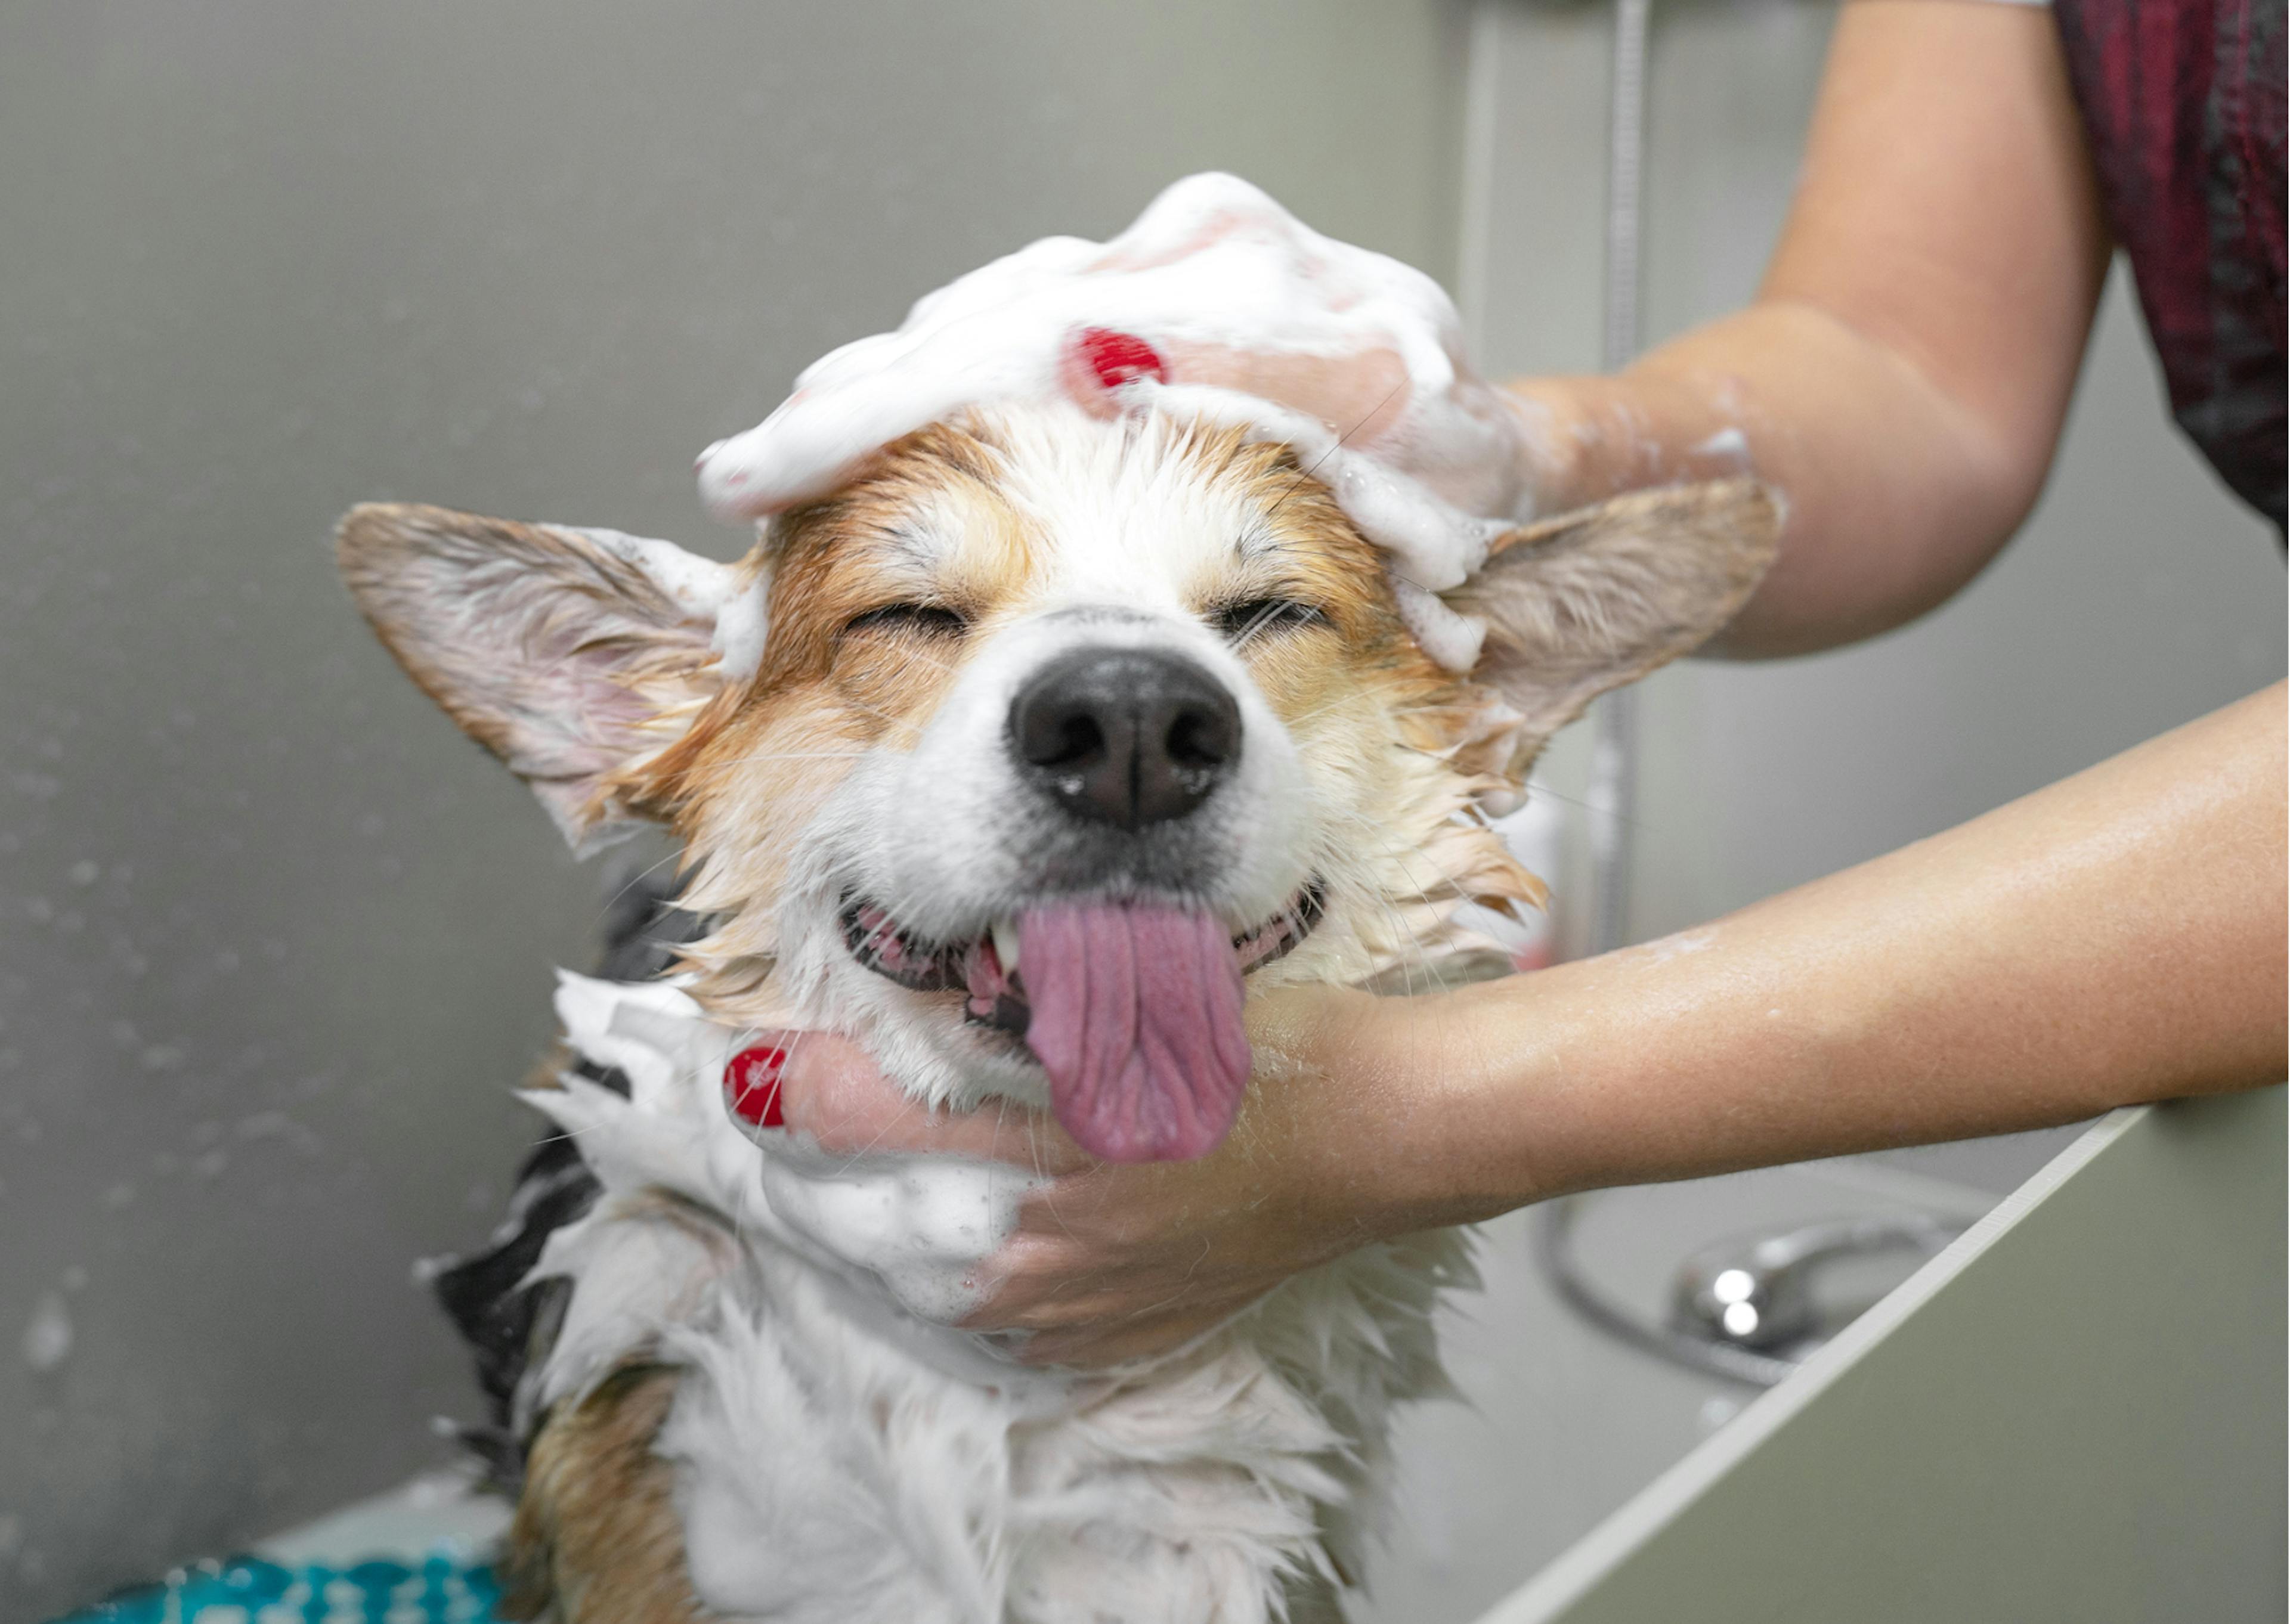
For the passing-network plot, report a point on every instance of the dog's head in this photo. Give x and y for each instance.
(1019, 753)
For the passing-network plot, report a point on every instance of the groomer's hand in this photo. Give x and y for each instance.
(1216, 294)
(1111, 1262)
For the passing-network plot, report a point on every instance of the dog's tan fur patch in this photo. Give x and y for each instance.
(596, 1535)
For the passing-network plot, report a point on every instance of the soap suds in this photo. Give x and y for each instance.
(48, 1338)
(1669, 947)
(1212, 266)
(907, 1231)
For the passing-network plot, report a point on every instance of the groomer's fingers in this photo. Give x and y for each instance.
(1098, 1346)
(1029, 1300)
(1075, 1316)
(1359, 396)
(831, 1089)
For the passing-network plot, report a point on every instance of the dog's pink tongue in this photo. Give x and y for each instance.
(1136, 1017)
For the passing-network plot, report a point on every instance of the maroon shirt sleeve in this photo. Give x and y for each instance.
(2183, 103)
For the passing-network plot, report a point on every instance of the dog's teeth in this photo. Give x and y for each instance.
(1006, 943)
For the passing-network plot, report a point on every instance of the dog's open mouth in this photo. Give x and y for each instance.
(987, 966)
(1133, 1008)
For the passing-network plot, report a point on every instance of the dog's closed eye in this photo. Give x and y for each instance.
(922, 619)
(1260, 616)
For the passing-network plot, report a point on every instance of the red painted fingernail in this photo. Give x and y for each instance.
(751, 1085)
(1119, 358)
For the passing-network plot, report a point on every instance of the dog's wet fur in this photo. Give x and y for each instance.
(903, 613)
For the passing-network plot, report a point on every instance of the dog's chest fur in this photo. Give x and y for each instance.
(815, 1454)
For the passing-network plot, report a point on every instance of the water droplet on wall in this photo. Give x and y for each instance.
(48, 1339)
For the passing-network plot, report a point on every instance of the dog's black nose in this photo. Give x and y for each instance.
(1127, 736)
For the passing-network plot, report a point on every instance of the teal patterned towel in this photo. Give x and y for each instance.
(437, 1589)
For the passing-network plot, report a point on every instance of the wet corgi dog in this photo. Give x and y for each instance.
(1026, 757)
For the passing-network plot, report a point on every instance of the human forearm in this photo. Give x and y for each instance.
(1903, 373)
(2115, 938)
(1894, 496)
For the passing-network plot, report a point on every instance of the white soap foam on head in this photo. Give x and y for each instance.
(1212, 265)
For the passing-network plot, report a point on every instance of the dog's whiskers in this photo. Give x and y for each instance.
(638, 878)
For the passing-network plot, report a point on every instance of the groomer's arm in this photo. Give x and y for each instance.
(2117, 937)
(1905, 369)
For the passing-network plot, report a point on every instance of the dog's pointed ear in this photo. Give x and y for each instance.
(1592, 599)
(574, 655)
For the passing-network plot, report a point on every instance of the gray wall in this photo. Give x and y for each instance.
(274, 941)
